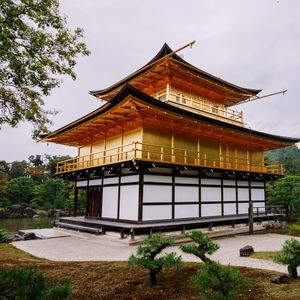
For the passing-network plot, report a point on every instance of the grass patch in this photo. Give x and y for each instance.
(268, 255)
(116, 280)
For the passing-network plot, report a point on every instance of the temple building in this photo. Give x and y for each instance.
(167, 147)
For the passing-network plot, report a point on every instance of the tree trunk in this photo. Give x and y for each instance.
(293, 272)
(153, 281)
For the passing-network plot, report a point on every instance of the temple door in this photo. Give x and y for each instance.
(94, 202)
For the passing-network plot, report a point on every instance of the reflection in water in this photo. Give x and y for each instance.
(12, 225)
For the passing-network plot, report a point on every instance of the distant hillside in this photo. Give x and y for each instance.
(289, 156)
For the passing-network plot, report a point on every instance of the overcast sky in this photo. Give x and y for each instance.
(251, 43)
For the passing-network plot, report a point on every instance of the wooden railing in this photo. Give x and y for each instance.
(156, 153)
(201, 107)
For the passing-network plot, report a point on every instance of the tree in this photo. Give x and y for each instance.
(203, 245)
(18, 169)
(290, 256)
(213, 280)
(36, 48)
(52, 161)
(286, 192)
(19, 190)
(147, 256)
(53, 193)
(29, 283)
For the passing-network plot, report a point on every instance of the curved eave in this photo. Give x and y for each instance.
(129, 90)
(164, 51)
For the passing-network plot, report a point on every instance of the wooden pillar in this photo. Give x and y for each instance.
(75, 201)
(141, 192)
(172, 147)
(250, 209)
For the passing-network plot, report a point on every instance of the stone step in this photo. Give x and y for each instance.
(78, 227)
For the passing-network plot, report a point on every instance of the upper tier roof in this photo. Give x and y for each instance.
(236, 94)
(145, 106)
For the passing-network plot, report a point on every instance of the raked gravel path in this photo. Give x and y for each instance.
(86, 247)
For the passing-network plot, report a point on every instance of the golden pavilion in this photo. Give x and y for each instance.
(168, 148)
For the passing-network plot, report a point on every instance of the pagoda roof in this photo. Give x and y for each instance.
(142, 106)
(167, 53)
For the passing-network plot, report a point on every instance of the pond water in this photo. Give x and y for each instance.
(12, 225)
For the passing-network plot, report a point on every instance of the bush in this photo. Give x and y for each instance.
(213, 280)
(294, 229)
(29, 284)
(3, 236)
(290, 256)
(147, 256)
(217, 282)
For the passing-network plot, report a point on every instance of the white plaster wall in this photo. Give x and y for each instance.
(243, 183)
(157, 193)
(229, 208)
(157, 178)
(258, 194)
(228, 182)
(208, 210)
(110, 202)
(131, 178)
(81, 183)
(111, 180)
(188, 180)
(187, 211)
(186, 194)
(157, 212)
(258, 184)
(210, 194)
(229, 194)
(129, 195)
(243, 194)
(243, 208)
(95, 182)
(211, 181)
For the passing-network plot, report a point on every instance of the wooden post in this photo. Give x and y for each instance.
(250, 217)
(75, 201)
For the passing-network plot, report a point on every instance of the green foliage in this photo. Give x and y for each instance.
(147, 256)
(35, 48)
(29, 284)
(217, 282)
(213, 280)
(203, 245)
(289, 157)
(19, 190)
(286, 192)
(294, 229)
(17, 169)
(53, 193)
(52, 161)
(290, 256)
(3, 236)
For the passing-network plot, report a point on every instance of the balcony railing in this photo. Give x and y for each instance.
(201, 107)
(156, 153)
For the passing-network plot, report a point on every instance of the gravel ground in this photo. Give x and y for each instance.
(87, 247)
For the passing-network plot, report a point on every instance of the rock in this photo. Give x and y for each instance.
(37, 216)
(29, 236)
(29, 212)
(246, 251)
(51, 212)
(280, 279)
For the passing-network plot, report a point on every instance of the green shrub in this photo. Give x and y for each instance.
(290, 256)
(202, 246)
(213, 280)
(29, 284)
(294, 229)
(3, 236)
(217, 282)
(147, 254)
